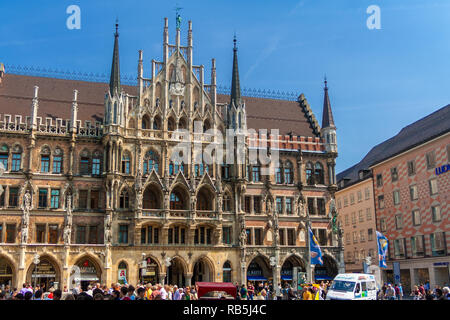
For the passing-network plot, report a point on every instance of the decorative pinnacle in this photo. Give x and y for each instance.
(325, 81)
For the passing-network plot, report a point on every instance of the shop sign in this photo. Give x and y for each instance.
(443, 169)
(122, 274)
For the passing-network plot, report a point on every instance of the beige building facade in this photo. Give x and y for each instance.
(93, 192)
(357, 217)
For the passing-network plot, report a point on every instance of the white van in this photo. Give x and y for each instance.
(353, 286)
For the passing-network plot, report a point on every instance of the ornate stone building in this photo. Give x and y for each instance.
(93, 192)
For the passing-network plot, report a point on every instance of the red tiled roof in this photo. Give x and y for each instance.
(55, 98)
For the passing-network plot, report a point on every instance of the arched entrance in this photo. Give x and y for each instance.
(46, 274)
(149, 272)
(90, 272)
(293, 268)
(259, 271)
(6, 273)
(176, 272)
(203, 271)
(327, 271)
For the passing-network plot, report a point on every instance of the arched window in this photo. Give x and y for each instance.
(145, 122)
(226, 271)
(256, 173)
(57, 161)
(96, 164)
(151, 160)
(278, 175)
(124, 200)
(4, 155)
(175, 167)
(200, 169)
(227, 202)
(288, 173)
(45, 159)
(157, 123)
(126, 163)
(309, 173)
(240, 121)
(151, 199)
(16, 158)
(206, 126)
(318, 173)
(171, 124)
(176, 201)
(85, 162)
(204, 200)
(182, 124)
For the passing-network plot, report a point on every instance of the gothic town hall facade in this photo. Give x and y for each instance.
(90, 191)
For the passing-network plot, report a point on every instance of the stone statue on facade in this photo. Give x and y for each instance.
(242, 238)
(138, 188)
(108, 224)
(68, 221)
(26, 207)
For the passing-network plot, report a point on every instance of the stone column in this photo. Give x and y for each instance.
(162, 278)
(432, 276)
(188, 279)
(412, 275)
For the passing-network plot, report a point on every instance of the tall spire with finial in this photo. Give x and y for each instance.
(327, 115)
(235, 86)
(114, 82)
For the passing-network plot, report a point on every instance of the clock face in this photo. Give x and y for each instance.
(177, 88)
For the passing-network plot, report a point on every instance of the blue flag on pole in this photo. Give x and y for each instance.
(314, 249)
(382, 249)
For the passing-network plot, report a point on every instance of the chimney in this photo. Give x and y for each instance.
(2, 72)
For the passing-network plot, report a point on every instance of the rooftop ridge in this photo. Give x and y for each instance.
(131, 80)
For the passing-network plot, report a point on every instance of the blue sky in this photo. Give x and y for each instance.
(380, 80)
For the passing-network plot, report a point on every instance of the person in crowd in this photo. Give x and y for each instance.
(124, 293)
(57, 294)
(446, 293)
(390, 292)
(416, 293)
(141, 294)
(69, 297)
(250, 291)
(38, 295)
(243, 292)
(99, 296)
(130, 293)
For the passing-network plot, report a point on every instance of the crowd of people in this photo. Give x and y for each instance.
(258, 291)
(251, 291)
(420, 292)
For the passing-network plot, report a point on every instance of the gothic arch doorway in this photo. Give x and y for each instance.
(176, 272)
(7, 275)
(203, 271)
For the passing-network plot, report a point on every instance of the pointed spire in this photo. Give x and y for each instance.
(235, 86)
(327, 114)
(114, 82)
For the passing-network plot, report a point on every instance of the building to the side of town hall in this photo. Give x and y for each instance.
(407, 180)
(90, 191)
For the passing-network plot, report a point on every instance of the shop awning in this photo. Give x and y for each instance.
(256, 278)
(323, 278)
(287, 278)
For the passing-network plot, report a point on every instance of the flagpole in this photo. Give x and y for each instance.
(308, 244)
